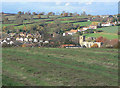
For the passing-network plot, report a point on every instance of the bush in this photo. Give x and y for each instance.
(94, 46)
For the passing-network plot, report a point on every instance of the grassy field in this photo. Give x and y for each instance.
(67, 21)
(106, 35)
(83, 23)
(72, 17)
(58, 67)
(8, 24)
(111, 29)
(108, 32)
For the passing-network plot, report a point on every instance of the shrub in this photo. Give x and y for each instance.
(94, 46)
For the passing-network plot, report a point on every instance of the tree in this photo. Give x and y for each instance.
(71, 14)
(8, 32)
(42, 13)
(24, 28)
(19, 12)
(114, 20)
(50, 13)
(101, 39)
(5, 20)
(34, 13)
(65, 14)
(39, 16)
(4, 28)
(94, 46)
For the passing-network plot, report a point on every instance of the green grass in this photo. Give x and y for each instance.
(8, 81)
(60, 67)
(111, 29)
(19, 27)
(108, 32)
(72, 17)
(83, 23)
(67, 21)
(106, 35)
(8, 24)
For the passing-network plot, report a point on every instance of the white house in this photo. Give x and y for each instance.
(21, 39)
(4, 41)
(85, 28)
(35, 40)
(41, 41)
(106, 24)
(46, 42)
(30, 39)
(71, 32)
(11, 42)
(26, 39)
(8, 39)
(64, 34)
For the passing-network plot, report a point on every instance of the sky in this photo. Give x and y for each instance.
(90, 7)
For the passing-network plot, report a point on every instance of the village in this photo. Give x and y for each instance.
(38, 36)
(31, 40)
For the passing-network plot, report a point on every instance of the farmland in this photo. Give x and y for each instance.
(108, 32)
(60, 66)
(83, 23)
(106, 35)
(111, 29)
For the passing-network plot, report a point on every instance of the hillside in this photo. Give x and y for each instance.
(60, 66)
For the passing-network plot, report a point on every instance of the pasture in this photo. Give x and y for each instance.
(111, 29)
(60, 66)
(106, 35)
(108, 32)
(83, 23)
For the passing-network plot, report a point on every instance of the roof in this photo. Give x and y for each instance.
(73, 30)
(93, 25)
(68, 45)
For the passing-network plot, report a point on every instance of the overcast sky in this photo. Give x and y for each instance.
(90, 6)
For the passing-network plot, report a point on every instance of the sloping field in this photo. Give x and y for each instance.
(57, 67)
(83, 23)
(111, 29)
(106, 35)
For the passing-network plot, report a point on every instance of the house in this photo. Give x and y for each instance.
(8, 39)
(46, 41)
(22, 34)
(64, 34)
(35, 40)
(30, 39)
(66, 45)
(4, 41)
(12, 34)
(29, 35)
(11, 42)
(71, 32)
(106, 24)
(104, 16)
(26, 39)
(82, 42)
(17, 39)
(93, 27)
(40, 41)
(21, 39)
(85, 28)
